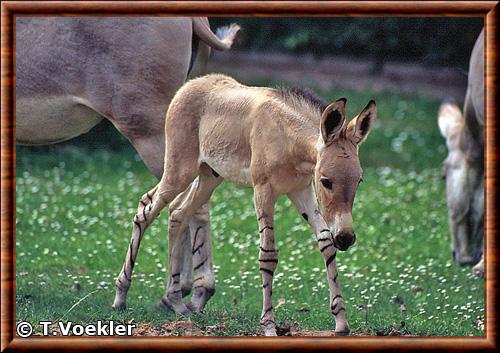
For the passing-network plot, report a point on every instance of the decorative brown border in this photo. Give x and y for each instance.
(9, 9)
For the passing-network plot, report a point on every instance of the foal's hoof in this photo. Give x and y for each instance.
(270, 331)
(178, 308)
(119, 307)
(342, 333)
(199, 298)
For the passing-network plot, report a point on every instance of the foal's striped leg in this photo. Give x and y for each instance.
(305, 202)
(142, 220)
(201, 252)
(268, 255)
(197, 195)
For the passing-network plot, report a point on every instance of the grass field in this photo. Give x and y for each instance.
(74, 211)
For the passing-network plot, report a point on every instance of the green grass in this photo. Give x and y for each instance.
(74, 211)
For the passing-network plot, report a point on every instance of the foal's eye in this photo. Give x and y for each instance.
(326, 183)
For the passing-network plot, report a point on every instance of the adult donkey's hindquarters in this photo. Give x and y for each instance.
(464, 165)
(276, 141)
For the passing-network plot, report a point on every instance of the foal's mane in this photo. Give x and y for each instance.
(300, 96)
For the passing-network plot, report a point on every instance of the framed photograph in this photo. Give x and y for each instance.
(189, 175)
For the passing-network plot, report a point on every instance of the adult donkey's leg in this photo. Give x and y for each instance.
(305, 202)
(264, 200)
(198, 194)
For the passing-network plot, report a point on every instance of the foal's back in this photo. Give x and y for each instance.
(211, 120)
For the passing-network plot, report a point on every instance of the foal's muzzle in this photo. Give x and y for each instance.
(343, 240)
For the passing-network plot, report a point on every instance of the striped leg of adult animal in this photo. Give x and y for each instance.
(305, 203)
(268, 255)
(197, 195)
(201, 252)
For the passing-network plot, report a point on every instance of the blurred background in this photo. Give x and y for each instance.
(427, 57)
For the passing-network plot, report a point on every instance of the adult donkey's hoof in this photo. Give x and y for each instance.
(177, 307)
(478, 270)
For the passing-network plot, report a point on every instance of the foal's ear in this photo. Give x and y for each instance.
(332, 120)
(360, 126)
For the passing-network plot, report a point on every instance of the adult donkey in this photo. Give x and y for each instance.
(277, 142)
(72, 72)
(464, 166)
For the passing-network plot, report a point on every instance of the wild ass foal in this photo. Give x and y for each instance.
(273, 140)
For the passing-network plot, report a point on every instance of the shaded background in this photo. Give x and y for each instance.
(424, 56)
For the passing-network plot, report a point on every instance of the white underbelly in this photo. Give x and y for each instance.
(230, 168)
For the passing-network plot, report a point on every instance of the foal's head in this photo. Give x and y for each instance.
(338, 170)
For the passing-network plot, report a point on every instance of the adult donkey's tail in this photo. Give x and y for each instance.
(223, 40)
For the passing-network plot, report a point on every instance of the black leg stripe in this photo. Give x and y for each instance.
(138, 226)
(325, 230)
(267, 250)
(132, 262)
(267, 271)
(198, 278)
(338, 311)
(209, 290)
(330, 259)
(337, 296)
(198, 248)
(335, 278)
(324, 239)
(266, 227)
(149, 197)
(268, 321)
(199, 265)
(265, 312)
(325, 247)
(196, 237)
(265, 285)
(126, 276)
(269, 260)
